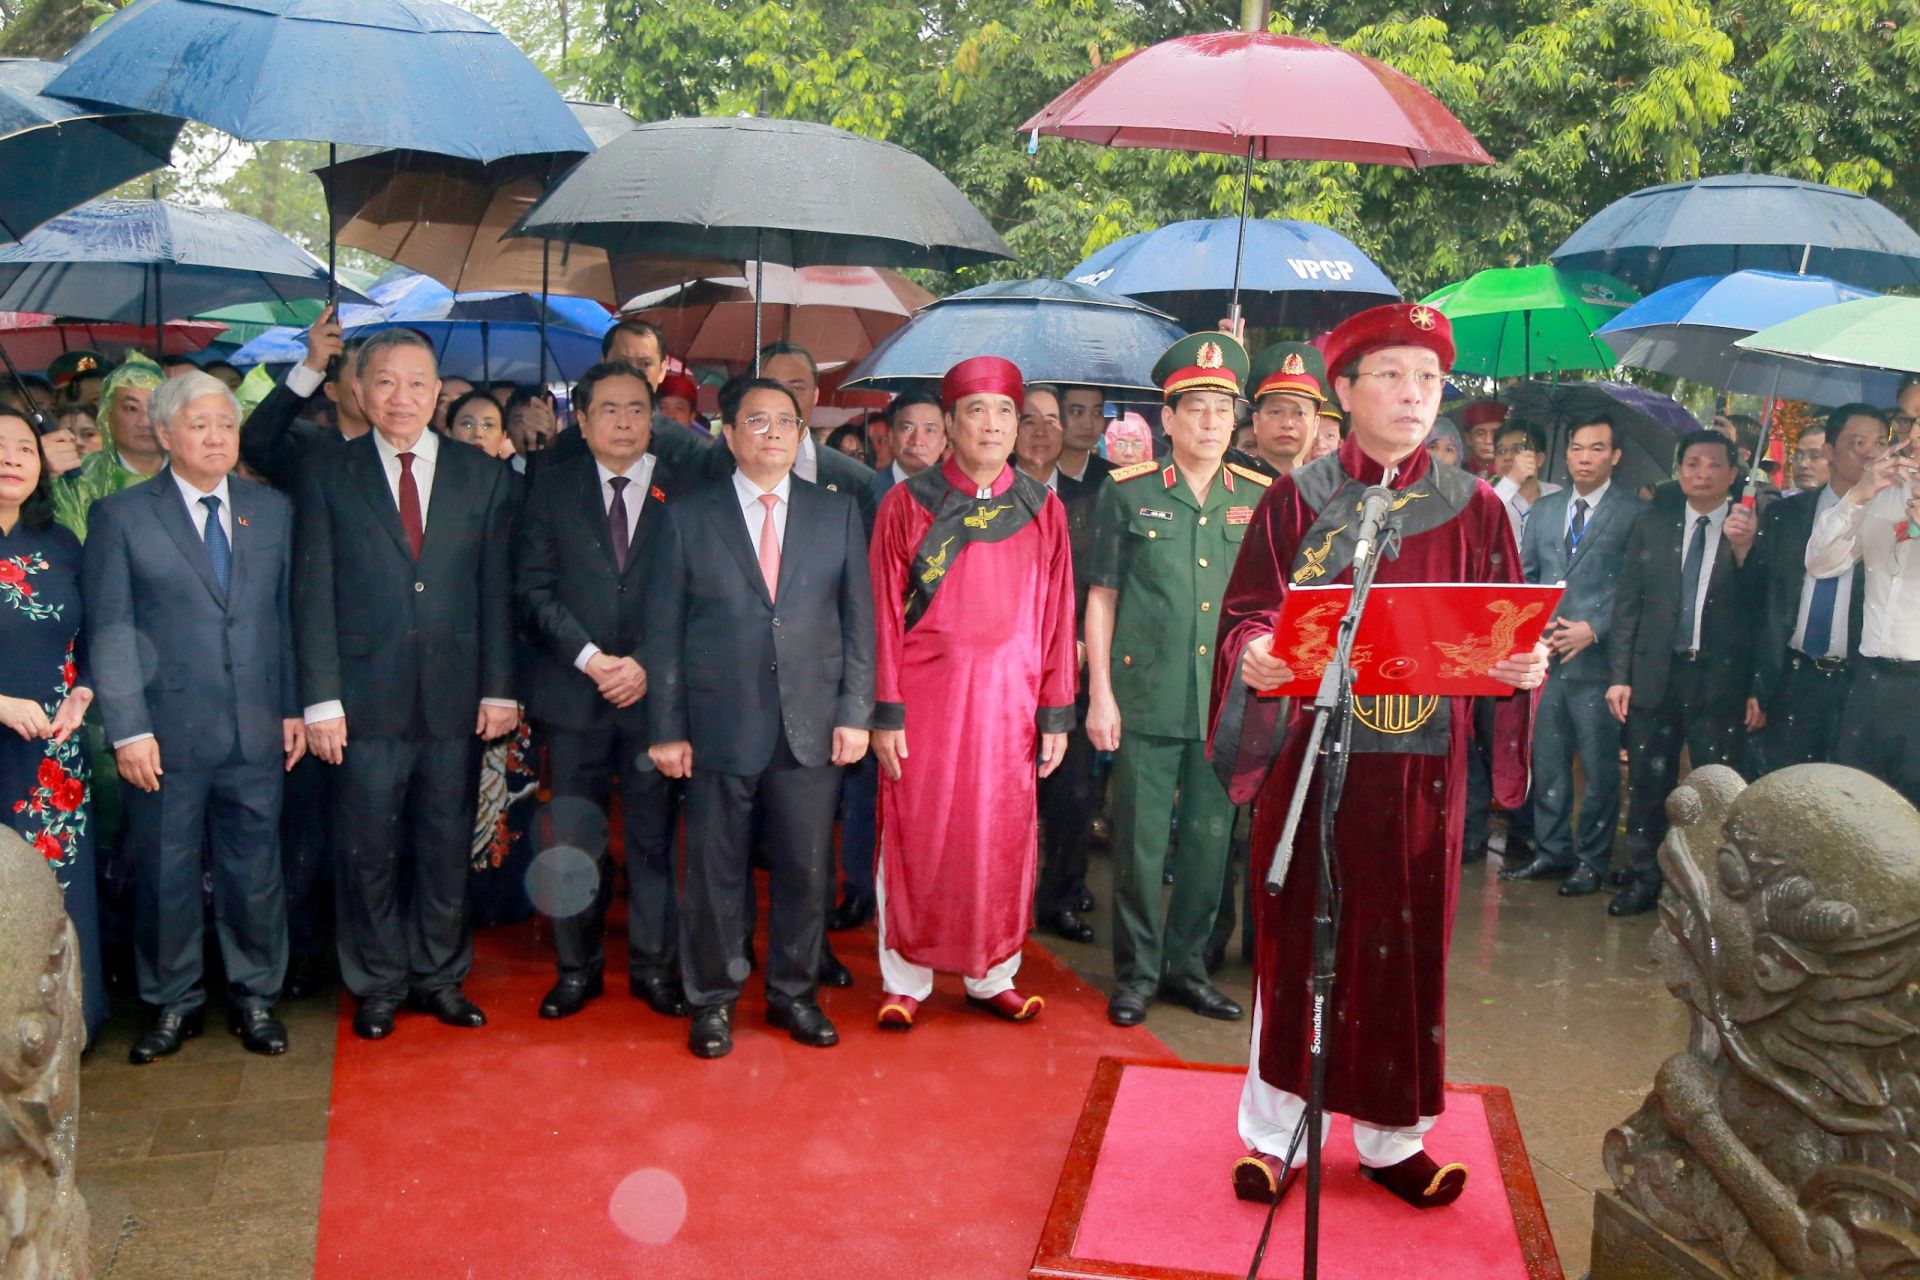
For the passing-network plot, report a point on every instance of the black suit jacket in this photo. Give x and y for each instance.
(275, 441)
(196, 667)
(1646, 610)
(570, 593)
(1077, 497)
(731, 671)
(405, 646)
(1784, 536)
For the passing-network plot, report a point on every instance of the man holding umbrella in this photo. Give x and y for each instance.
(1164, 541)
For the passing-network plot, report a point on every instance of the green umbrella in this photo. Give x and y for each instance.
(246, 321)
(1515, 322)
(1871, 333)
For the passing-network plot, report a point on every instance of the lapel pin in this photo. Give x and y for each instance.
(242, 522)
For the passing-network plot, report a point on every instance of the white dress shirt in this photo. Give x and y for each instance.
(1846, 532)
(754, 512)
(1593, 504)
(899, 476)
(806, 465)
(1842, 600)
(1715, 519)
(197, 516)
(641, 476)
(426, 452)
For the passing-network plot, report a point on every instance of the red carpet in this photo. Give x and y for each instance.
(598, 1146)
(1148, 1193)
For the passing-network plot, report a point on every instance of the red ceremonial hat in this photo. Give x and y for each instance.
(981, 374)
(1398, 324)
(1483, 411)
(679, 384)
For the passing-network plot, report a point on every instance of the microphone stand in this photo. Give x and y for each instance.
(1332, 709)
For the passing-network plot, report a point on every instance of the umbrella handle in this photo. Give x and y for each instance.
(333, 274)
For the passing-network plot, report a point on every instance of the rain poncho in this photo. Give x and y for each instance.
(102, 473)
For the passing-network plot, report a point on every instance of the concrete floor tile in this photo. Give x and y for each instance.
(288, 1172)
(205, 1071)
(240, 1124)
(260, 1242)
(113, 1135)
(154, 1184)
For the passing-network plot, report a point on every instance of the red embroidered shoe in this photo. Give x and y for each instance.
(1420, 1182)
(1259, 1178)
(897, 1012)
(1010, 1005)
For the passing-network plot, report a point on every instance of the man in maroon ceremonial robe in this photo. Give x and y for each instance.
(973, 603)
(1399, 830)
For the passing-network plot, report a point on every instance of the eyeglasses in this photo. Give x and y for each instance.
(1513, 450)
(761, 423)
(1424, 381)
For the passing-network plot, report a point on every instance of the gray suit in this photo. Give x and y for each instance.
(210, 674)
(1572, 717)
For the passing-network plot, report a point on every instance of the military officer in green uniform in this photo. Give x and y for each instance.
(1165, 535)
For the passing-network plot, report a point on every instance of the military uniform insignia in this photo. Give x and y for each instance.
(1422, 318)
(1315, 566)
(1239, 515)
(1132, 471)
(1293, 363)
(1248, 473)
(1210, 356)
(983, 515)
(1169, 476)
(937, 564)
(1156, 515)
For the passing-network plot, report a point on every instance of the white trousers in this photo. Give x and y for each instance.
(900, 976)
(1269, 1116)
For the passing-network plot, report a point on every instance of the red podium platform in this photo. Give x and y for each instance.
(1146, 1192)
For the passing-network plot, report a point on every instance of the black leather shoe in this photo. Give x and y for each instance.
(1583, 881)
(1082, 902)
(806, 1023)
(452, 1007)
(168, 1032)
(1638, 897)
(711, 1035)
(1068, 925)
(663, 994)
(1541, 868)
(1204, 999)
(571, 993)
(373, 1020)
(1519, 851)
(259, 1031)
(305, 975)
(1616, 878)
(855, 909)
(1213, 958)
(832, 973)
(1127, 1009)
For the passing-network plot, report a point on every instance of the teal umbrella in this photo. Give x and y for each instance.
(1868, 333)
(1516, 322)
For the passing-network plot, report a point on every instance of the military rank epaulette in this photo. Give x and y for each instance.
(1129, 472)
(1248, 473)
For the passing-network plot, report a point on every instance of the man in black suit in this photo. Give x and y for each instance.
(585, 537)
(760, 661)
(403, 597)
(1082, 423)
(793, 367)
(187, 579)
(918, 433)
(1812, 627)
(1682, 647)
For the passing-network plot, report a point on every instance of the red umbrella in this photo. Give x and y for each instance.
(836, 313)
(33, 341)
(1267, 96)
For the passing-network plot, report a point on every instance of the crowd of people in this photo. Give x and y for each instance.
(383, 658)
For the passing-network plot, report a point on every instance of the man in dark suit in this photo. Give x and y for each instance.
(584, 540)
(1812, 628)
(403, 597)
(1682, 647)
(1082, 422)
(690, 454)
(275, 440)
(1578, 536)
(793, 366)
(188, 579)
(918, 435)
(760, 664)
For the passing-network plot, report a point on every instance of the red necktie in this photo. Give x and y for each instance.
(770, 545)
(410, 506)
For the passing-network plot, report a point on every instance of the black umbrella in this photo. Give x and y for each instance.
(756, 190)
(1737, 221)
(1650, 424)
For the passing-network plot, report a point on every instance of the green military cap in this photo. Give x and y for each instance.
(69, 365)
(1290, 368)
(1202, 362)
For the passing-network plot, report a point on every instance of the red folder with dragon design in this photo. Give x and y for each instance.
(1418, 638)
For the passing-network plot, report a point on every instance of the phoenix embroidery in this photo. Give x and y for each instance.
(937, 563)
(1477, 655)
(982, 517)
(1315, 566)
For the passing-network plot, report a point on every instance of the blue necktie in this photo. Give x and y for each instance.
(218, 549)
(1690, 586)
(1819, 634)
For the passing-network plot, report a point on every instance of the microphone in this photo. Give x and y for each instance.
(1373, 509)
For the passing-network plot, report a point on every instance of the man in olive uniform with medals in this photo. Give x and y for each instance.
(1165, 535)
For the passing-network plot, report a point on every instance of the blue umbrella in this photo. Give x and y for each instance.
(1690, 329)
(64, 155)
(414, 74)
(147, 261)
(1054, 330)
(1298, 274)
(1739, 221)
